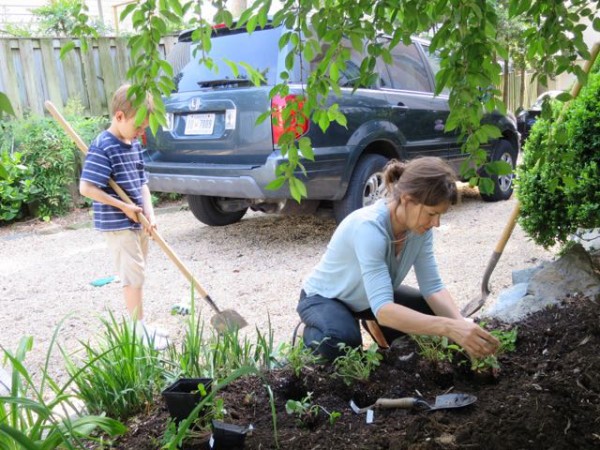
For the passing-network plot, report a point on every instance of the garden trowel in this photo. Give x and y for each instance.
(445, 401)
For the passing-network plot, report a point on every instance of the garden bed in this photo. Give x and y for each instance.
(546, 395)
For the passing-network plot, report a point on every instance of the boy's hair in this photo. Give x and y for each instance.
(121, 102)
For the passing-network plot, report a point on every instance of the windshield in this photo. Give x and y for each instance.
(259, 49)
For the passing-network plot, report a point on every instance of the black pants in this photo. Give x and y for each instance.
(329, 322)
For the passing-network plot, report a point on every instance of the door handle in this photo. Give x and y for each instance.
(401, 106)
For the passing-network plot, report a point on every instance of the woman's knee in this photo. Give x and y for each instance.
(330, 344)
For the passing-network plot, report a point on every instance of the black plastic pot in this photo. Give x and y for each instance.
(183, 396)
(227, 436)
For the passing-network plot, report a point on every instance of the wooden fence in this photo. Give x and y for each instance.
(31, 72)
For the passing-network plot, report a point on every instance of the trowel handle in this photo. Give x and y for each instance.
(389, 403)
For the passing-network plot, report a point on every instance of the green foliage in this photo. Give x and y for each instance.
(28, 420)
(15, 186)
(436, 348)
(356, 364)
(439, 349)
(559, 186)
(298, 356)
(120, 374)
(305, 411)
(51, 159)
(66, 18)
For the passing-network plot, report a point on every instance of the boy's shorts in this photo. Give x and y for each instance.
(130, 250)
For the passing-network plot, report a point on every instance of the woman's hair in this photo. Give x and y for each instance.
(121, 102)
(428, 180)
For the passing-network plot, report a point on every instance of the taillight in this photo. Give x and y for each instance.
(299, 127)
(144, 138)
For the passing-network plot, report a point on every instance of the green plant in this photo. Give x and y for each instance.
(120, 374)
(558, 182)
(29, 421)
(436, 348)
(15, 186)
(298, 356)
(508, 341)
(356, 364)
(305, 411)
(52, 157)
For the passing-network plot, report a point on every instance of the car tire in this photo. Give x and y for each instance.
(503, 184)
(207, 210)
(365, 187)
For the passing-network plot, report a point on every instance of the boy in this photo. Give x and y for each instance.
(117, 154)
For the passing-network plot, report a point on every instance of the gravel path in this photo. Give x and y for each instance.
(255, 266)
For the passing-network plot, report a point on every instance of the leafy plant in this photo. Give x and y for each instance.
(306, 411)
(298, 356)
(558, 183)
(29, 421)
(120, 375)
(54, 161)
(436, 348)
(15, 186)
(356, 364)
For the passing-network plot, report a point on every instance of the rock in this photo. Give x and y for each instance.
(572, 273)
(524, 275)
(547, 285)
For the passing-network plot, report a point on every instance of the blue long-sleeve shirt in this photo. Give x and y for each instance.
(360, 266)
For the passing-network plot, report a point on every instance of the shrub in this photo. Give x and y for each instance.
(15, 186)
(53, 160)
(558, 182)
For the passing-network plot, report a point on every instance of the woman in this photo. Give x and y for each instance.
(368, 257)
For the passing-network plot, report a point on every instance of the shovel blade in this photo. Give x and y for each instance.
(227, 320)
(448, 401)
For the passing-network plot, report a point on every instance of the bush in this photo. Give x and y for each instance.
(558, 182)
(51, 158)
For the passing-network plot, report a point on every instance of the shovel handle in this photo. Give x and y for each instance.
(403, 403)
(121, 193)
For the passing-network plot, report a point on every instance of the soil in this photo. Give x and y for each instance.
(546, 395)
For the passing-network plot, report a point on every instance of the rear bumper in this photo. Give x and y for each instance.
(324, 178)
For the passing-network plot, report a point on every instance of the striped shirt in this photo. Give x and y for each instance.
(108, 158)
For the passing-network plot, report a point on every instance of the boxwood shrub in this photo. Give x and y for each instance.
(559, 180)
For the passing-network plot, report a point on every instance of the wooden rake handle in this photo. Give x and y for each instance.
(121, 193)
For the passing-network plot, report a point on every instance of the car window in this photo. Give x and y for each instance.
(408, 71)
(350, 75)
(259, 49)
(434, 63)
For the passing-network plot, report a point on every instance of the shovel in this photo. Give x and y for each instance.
(222, 320)
(445, 401)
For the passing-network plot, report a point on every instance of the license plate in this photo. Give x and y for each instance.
(199, 124)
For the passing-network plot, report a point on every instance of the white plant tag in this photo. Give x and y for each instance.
(370, 416)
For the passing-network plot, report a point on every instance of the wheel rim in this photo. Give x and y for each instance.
(373, 189)
(505, 181)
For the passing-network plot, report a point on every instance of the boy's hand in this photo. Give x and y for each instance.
(132, 211)
(151, 224)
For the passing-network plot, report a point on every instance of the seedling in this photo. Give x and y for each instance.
(356, 364)
(306, 411)
(298, 356)
(435, 348)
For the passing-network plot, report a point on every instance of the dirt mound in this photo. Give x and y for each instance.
(546, 395)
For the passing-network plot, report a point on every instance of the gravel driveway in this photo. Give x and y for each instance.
(255, 266)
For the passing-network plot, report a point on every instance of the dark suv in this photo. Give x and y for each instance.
(213, 150)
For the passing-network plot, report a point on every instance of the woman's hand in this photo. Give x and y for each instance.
(475, 340)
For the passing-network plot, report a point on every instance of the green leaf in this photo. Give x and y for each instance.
(306, 149)
(486, 185)
(5, 106)
(67, 48)
(276, 184)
